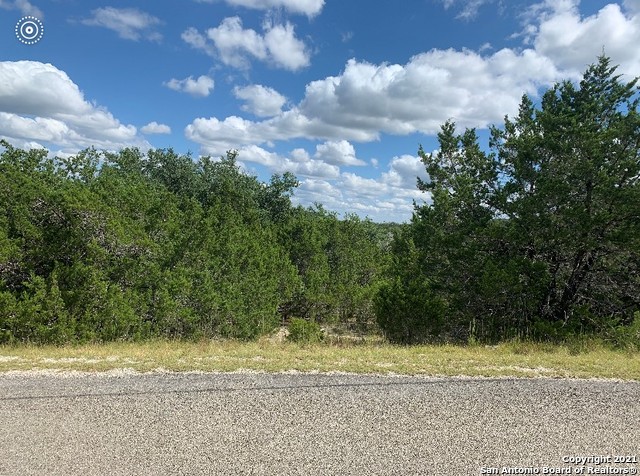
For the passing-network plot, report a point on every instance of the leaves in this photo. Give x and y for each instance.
(107, 246)
(543, 227)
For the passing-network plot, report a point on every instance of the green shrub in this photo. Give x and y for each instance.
(409, 312)
(305, 332)
(627, 337)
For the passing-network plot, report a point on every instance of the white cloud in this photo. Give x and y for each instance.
(38, 128)
(434, 86)
(236, 46)
(234, 43)
(475, 89)
(358, 186)
(404, 172)
(305, 7)
(398, 182)
(194, 38)
(25, 7)
(367, 100)
(338, 153)
(573, 42)
(485, 47)
(128, 23)
(202, 86)
(260, 100)
(39, 102)
(32, 88)
(388, 197)
(155, 128)
(286, 50)
(300, 155)
(469, 9)
(321, 188)
(217, 136)
(279, 164)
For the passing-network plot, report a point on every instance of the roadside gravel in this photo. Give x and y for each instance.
(123, 423)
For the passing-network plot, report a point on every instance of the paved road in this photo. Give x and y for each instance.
(155, 424)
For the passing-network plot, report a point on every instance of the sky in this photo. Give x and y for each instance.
(342, 93)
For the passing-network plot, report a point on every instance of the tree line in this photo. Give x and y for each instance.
(538, 237)
(104, 246)
(535, 236)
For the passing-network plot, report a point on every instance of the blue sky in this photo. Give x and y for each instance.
(339, 92)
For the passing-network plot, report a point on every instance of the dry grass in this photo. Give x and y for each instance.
(372, 356)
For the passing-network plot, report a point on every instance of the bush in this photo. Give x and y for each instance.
(627, 337)
(410, 312)
(305, 332)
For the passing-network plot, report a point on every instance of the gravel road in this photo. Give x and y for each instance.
(281, 424)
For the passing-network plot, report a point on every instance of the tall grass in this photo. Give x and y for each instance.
(581, 359)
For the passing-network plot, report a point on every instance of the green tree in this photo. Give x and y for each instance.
(539, 236)
(305, 236)
(339, 263)
(127, 245)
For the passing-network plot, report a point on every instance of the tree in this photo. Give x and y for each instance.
(539, 236)
(339, 263)
(128, 245)
(275, 198)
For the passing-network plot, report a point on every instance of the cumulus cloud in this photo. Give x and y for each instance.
(321, 189)
(202, 86)
(404, 172)
(39, 102)
(296, 163)
(234, 43)
(309, 8)
(286, 50)
(155, 128)
(128, 23)
(260, 100)
(338, 153)
(418, 96)
(24, 6)
(217, 136)
(367, 99)
(474, 88)
(356, 185)
(388, 197)
(399, 181)
(572, 42)
(236, 46)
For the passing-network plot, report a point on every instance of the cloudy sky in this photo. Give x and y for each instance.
(340, 92)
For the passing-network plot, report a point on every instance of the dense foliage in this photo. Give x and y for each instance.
(539, 237)
(104, 246)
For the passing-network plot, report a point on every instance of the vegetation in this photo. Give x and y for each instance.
(128, 246)
(584, 359)
(537, 238)
(305, 332)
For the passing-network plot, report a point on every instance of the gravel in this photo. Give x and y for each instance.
(123, 423)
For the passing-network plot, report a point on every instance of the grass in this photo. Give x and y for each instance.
(513, 359)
